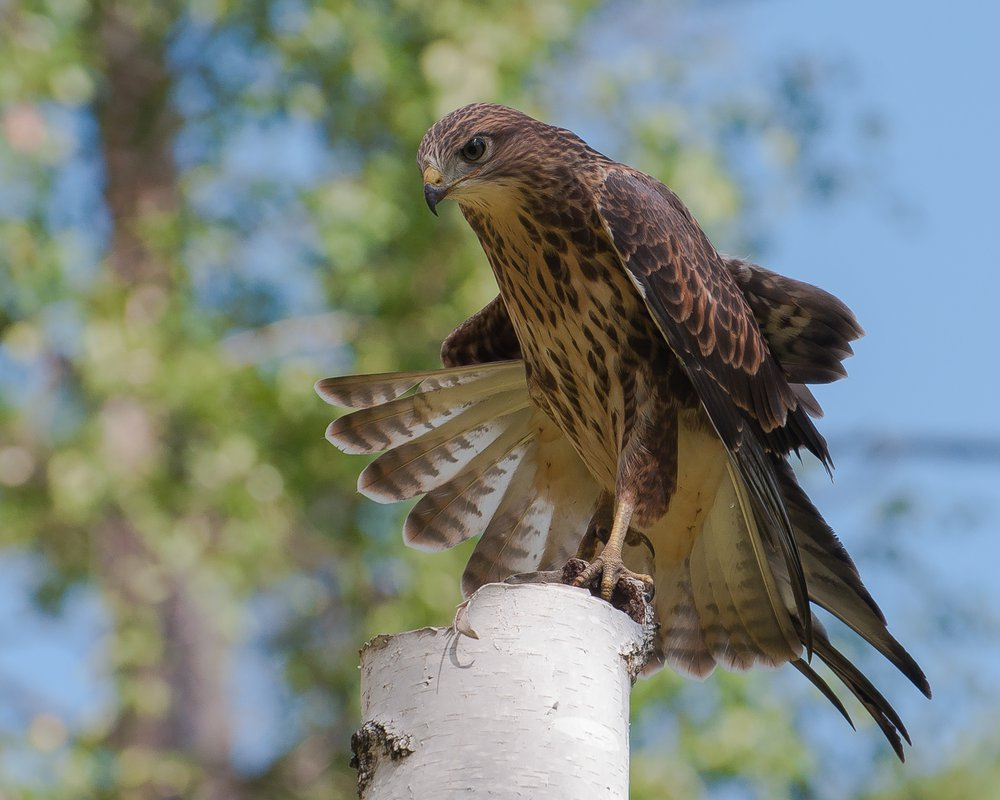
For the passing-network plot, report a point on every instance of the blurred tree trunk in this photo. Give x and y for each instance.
(174, 704)
(137, 128)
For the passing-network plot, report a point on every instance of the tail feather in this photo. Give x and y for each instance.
(681, 640)
(719, 639)
(741, 612)
(489, 462)
(567, 485)
(768, 620)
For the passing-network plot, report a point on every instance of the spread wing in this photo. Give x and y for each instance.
(484, 458)
(462, 439)
(709, 325)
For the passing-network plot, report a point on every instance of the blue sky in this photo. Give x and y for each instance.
(924, 284)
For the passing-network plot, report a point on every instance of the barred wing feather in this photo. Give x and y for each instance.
(485, 459)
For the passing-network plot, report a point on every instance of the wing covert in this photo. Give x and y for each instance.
(486, 336)
(708, 324)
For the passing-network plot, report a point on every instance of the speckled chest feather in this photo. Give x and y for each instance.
(596, 363)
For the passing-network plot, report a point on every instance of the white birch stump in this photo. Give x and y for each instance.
(536, 707)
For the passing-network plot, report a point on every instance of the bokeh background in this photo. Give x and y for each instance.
(207, 205)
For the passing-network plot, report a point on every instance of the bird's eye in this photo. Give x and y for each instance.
(474, 149)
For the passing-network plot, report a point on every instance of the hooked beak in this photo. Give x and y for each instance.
(435, 189)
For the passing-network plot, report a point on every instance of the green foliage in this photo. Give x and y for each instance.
(161, 442)
(976, 773)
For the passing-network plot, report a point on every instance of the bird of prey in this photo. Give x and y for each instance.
(629, 387)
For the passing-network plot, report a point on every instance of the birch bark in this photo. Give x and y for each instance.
(536, 707)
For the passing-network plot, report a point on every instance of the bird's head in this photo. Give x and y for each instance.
(482, 152)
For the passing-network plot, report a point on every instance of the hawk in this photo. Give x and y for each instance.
(629, 387)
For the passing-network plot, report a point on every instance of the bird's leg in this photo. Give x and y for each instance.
(611, 555)
(609, 564)
(599, 528)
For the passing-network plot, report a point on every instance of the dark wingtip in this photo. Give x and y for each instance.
(824, 688)
(883, 714)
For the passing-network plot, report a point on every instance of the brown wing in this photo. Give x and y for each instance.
(706, 320)
(808, 330)
(704, 315)
(486, 336)
(485, 459)
(834, 581)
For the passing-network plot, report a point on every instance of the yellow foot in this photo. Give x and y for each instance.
(630, 593)
(611, 572)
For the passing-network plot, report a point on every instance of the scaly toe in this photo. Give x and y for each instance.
(602, 578)
(630, 591)
(585, 578)
(609, 579)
